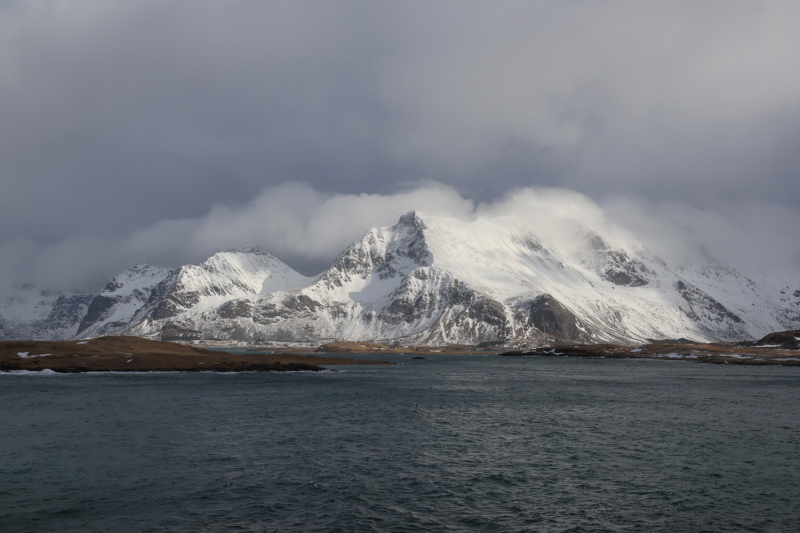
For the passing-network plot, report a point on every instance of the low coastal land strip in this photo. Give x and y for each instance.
(134, 354)
(780, 348)
(376, 348)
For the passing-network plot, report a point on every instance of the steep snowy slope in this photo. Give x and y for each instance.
(431, 280)
(226, 284)
(114, 308)
(29, 313)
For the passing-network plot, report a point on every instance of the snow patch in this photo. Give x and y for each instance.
(25, 355)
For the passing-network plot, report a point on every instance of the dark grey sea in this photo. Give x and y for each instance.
(449, 443)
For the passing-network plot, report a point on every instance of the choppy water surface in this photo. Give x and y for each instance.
(495, 444)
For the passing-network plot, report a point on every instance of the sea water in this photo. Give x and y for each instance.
(449, 443)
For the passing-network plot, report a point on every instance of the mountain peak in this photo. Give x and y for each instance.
(412, 219)
(241, 255)
(243, 250)
(141, 267)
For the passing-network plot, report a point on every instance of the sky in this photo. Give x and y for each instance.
(165, 131)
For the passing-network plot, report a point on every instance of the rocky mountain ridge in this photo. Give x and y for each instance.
(427, 280)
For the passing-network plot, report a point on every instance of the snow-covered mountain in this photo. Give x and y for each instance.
(121, 298)
(205, 300)
(28, 313)
(434, 281)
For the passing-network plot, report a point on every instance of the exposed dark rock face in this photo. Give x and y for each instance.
(266, 313)
(157, 302)
(482, 320)
(63, 317)
(624, 271)
(701, 303)
(338, 310)
(551, 318)
(400, 310)
(174, 332)
(626, 276)
(300, 303)
(235, 309)
(487, 311)
(616, 266)
(783, 339)
(99, 305)
(167, 309)
(68, 311)
(176, 302)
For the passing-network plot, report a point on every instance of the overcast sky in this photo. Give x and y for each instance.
(125, 126)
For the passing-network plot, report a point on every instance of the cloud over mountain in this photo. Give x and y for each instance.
(125, 124)
(308, 228)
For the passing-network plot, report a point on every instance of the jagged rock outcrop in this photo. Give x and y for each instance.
(114, 308)
(28, 313)
(556, 321)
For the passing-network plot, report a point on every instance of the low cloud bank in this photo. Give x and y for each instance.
(307, 229)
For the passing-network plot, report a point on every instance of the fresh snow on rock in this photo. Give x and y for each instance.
(29, 313)
(226, 284)
(435, 280)
(121, 298)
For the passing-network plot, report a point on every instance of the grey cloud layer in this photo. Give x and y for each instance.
(121, 116)
(308, 229)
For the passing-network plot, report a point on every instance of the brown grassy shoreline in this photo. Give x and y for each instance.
(134, 354)
(715, 353)
(781, 350)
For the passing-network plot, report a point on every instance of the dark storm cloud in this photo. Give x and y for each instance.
(120, 120)
(140, 110)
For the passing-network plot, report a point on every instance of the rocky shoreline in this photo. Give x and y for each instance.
(780, 348)
(134, 354)
(365, 347)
